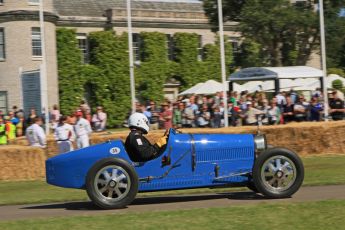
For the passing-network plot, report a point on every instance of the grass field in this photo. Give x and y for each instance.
(320, 170)
(309, 215)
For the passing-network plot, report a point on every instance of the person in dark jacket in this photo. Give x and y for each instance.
(137, 146)
(336, 105)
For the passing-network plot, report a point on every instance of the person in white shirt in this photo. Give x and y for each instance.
(99, 119)
(281, 99)
(35, 134)
(252, 113)
(82, 130)
(64, 135)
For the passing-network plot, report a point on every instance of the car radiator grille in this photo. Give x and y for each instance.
(224, 154)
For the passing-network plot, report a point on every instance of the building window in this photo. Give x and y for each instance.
(137, 44)
(170, 47)
(235, 45)
(200, 49)
(36, 42)
(3, 102)
(1, 2)
(34, 2)
(83, 46)
(2, 44)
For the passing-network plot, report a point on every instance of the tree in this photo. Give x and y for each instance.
(335, 33)
(337, 71)
(337, 84)
(251, 55)
(231, 10)
(287, 33)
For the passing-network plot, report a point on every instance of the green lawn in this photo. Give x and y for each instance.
(309, 215)
(318, 171)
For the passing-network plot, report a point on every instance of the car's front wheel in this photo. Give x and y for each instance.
(112, 183)
(278, 173)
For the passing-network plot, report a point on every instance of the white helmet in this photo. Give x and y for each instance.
(139, 120)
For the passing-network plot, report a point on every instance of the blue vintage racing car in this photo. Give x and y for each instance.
(112, 180)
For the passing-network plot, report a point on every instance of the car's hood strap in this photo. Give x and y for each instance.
(192, 142)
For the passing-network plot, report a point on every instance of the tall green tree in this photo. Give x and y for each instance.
(287, 33)
(335, 33)
(251, 55)
(231, 10)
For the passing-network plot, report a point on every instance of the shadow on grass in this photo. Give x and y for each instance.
(87, 205)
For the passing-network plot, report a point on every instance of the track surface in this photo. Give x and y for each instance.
(161, 203)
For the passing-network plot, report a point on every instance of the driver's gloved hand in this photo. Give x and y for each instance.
(161, 141)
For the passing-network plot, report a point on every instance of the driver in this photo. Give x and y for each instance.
(137, 146)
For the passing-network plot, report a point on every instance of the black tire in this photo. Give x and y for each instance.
(112, 183)
(252, 187)
(278, 173)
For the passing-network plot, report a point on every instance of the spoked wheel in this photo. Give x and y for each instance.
(112, 183)
(278, 173)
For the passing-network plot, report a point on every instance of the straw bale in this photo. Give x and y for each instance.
(21, 163)
(305, 138)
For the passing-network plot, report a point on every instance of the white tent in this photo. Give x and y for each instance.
(278, 75)
(271, 73)
(312, 84)
(293, 72)
(210, 87)
(237, 87)
(333, 77)
(252, 86)
(192, 89)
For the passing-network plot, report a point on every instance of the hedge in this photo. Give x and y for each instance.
(106, 78)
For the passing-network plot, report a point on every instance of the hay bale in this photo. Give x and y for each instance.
(304, 138)
(21, 163)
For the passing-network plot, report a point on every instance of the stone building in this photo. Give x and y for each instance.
(21, 53)
(20, 38)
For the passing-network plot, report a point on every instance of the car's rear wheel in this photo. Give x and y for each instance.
(278, 173)
(112, 183)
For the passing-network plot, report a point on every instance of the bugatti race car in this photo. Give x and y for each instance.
(112, 180)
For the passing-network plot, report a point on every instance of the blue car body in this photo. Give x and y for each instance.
(189, 161)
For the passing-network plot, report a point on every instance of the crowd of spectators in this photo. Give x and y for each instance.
(192, 111)
(15, 123)
(243, 109)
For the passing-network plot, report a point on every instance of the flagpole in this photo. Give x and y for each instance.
(222, 59)
(130, 51)
(323, 59)
(43, 70)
